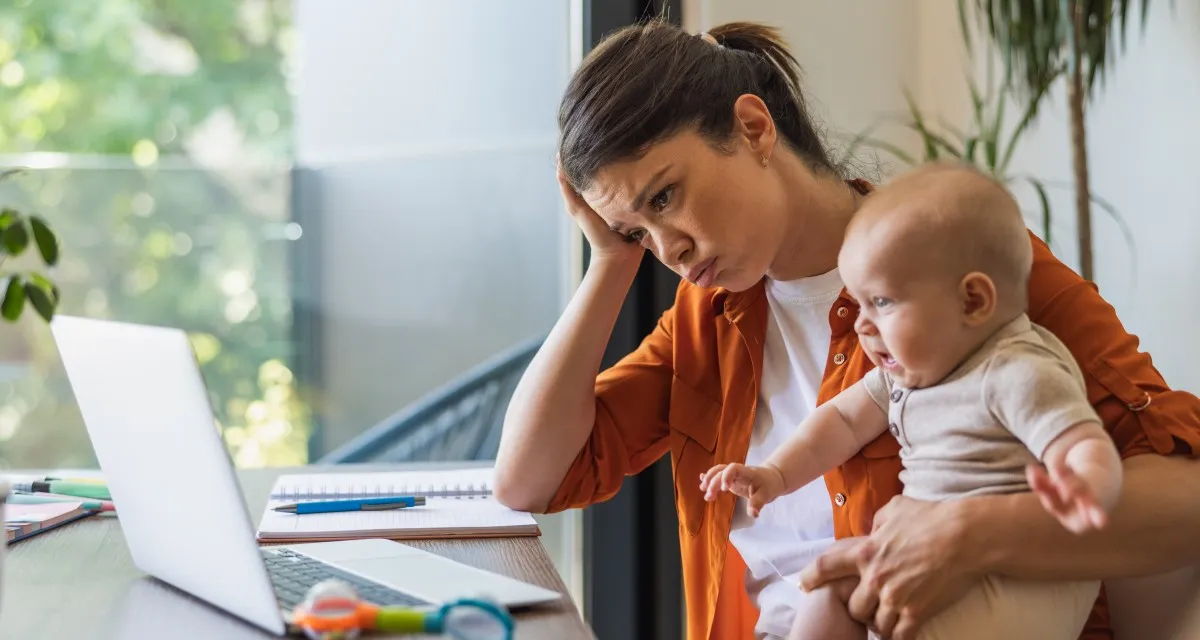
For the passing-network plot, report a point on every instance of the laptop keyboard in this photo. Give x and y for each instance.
(293, 574)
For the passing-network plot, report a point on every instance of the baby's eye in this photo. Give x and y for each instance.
(880, 302)
(662, 199)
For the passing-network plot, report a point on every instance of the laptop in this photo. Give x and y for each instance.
(148, 415)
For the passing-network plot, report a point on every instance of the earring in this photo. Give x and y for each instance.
(764, 160)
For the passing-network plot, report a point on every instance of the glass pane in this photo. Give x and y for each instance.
(348, 227)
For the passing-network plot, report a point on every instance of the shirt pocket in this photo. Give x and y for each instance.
(694, 419)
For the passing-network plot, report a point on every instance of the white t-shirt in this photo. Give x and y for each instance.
(794, 529)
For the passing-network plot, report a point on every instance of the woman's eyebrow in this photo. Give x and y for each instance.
(645, 193)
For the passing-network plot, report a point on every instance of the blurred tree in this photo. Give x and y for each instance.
(183, 222)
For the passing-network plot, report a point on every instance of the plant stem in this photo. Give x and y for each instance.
(1075, 98)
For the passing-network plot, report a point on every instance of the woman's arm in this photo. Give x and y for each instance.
(553, 408)
(552, 423)
(1154, 528)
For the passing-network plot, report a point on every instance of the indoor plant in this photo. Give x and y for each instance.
(987, 143)
(1037, 39)
(18, 232)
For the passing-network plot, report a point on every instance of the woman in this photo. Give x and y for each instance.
(700, 149)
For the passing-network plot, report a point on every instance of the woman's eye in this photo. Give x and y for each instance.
(635, 236)
(662, 199)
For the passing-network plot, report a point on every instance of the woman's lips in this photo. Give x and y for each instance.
(703, 274)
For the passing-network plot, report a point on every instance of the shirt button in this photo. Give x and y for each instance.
(839, 358)
(894, 429)
(842, 312)
(896, 395)
(839, 499)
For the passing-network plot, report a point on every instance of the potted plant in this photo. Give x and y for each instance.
(24, 288)
(1037, 40)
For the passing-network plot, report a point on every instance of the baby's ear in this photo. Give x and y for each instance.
(977, 293)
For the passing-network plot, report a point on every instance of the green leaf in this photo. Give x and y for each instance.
(931, 152)
(969, 149)
(1031, 110)
(1046, 214)
(41, 296)
(8, 173)
(15, 238)
(962, 23)
(14, 299)
(890, 148)
(1126, 231)
(47, 241)
(7, 217)
(930, 138)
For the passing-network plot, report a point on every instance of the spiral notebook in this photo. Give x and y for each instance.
(459, 504)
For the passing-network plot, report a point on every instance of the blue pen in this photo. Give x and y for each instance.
(364, 504)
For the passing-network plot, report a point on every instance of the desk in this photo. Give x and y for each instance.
(78, 581)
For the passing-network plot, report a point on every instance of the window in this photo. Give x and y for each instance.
(345, 223)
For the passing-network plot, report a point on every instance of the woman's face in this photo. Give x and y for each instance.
(714, 218)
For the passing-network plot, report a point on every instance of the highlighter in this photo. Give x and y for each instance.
(64, 488)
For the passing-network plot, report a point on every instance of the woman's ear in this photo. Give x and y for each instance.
(754, 124)
(978, 295)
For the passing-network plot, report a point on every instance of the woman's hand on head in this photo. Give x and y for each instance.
(606, 243)
(914, 564)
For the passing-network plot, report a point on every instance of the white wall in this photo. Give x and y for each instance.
(856, 57)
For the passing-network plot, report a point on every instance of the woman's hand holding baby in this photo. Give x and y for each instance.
(758, 485)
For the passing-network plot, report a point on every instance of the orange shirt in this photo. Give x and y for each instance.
(692, 386)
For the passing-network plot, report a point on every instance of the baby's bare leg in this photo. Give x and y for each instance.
(822, 614)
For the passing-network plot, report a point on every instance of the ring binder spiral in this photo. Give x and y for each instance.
(324, 490)
(459, 503)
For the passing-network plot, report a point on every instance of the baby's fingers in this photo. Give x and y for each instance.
(710, 482)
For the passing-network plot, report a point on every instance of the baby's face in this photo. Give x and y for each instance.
(910, 321)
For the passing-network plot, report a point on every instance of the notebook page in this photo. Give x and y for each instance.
(470, 482)
(437, 515)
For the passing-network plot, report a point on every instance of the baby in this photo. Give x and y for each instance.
(976, 395)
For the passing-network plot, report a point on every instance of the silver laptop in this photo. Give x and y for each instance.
(147, 412)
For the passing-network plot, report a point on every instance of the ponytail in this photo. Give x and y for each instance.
(649, 81)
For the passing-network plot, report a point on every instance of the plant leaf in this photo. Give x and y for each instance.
(47, 241)
(8, 216)
(931, 152)
(41, 296)
(8, 173)
(1111, 211)
(14, 299)
(1126, 231)
(1046, 213)
(890, 148)
(1027, 117)
(930, 138)
(962, 23)
(15, 238)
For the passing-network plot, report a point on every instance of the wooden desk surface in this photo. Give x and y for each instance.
(78, 581)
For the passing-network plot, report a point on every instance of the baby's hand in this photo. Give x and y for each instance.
(1068, 497)
(758, 485)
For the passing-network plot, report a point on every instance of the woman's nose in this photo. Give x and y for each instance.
(674, 250)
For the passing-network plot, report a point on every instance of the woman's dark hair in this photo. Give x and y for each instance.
(649, 81)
